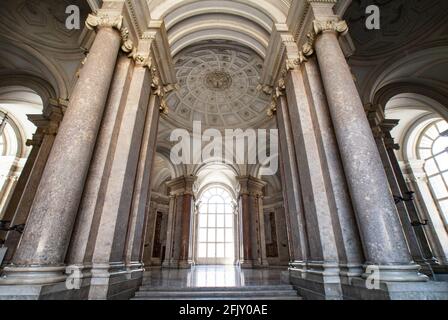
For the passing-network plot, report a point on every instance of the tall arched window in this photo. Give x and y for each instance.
(216, 234)
(433, 148)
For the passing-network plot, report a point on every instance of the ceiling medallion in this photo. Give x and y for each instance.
(218, 80)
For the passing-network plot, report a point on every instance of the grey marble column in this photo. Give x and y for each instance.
(23, 206)
(170, 231)
(252, 222)
(346, 230)
(46, 238)
(142, 187)
(381, 232)
(292, 188)
(87, 222)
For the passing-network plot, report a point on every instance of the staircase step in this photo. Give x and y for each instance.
(239, 289)
(221, 298)
(216, 293)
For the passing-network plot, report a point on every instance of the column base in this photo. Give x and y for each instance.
(247, 264)
(32, 275)
(316, 280)
(429, 290)
(394, 273)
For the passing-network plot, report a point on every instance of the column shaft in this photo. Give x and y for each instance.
(47, 234)
(380, 228)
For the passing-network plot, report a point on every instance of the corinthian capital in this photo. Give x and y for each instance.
(104, 20)
(330, 25)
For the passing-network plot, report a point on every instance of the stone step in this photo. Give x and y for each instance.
(216, 293)
(220, 298)
(238, 289)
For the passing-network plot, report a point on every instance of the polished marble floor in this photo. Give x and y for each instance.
(213, 276)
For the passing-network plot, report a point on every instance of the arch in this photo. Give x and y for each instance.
(413, 73)
(161, 9)
(22, 62)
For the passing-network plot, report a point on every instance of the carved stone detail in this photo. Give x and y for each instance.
(103, 20)
(277, 93)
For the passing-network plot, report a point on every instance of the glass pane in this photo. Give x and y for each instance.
(220, 208)
(212, 208)
(444, 207)
(202, 250)
(211, 251)
(442, 161)
(202, 220)
(439, 187)
(203, 208)
(220, 220)
(212, 220)
(202, 235)
(228, 208)
(220, 250)
(229, 220)
(440, 145)
(430, 167)
(442, 126)
(229, 235)
(229, 250)
(426, 142)
(211, 235)
(425, 153)
(432, 132)
(220, 235)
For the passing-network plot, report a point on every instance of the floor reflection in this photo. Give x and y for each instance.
(213, 276)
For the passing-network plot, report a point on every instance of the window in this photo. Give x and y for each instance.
(433, 148)
(215, 239)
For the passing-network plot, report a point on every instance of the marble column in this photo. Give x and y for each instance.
(181, 217)
(381, 232)
(87, 222)
(142, 192)
(150, 235)
(417, 179)
(346, 231)
(170, 230)
(42, 143)
(252, 222)
(417, 244)
(41, 252)
(292, 188)
(323, 255)
(108, 259)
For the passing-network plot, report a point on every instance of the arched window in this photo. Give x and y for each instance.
(433, 148)
(216, 234)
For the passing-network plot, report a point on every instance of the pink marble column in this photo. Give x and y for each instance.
(292, 189)
(381, 232)
(41, 252)
(87, 221)
(142, 187)
(26, 199)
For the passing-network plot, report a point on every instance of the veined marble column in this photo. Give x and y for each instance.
(417, 243)
(142, 188)
(180, 222)
(86, 227)
(108, 260)
(292, 188)
(40, 256)
(170, 230)
(42, 144)
(252, 222)
(381, 232)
